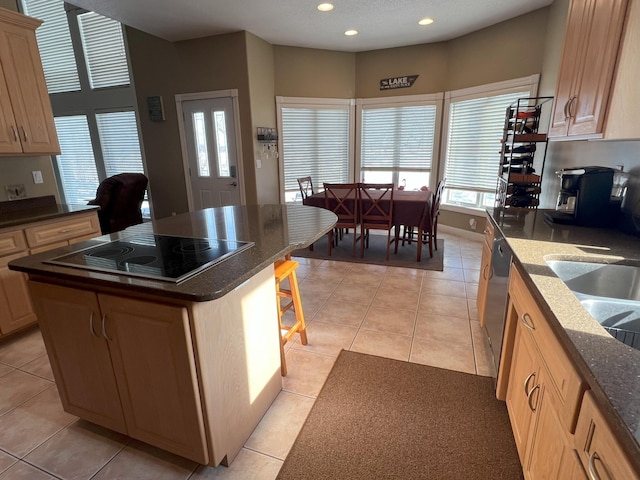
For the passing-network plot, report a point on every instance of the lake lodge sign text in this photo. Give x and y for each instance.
(397, 82)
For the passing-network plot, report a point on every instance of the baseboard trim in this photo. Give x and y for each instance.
(460, 232)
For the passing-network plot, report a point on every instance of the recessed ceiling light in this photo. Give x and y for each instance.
(325, 7)
(426, 21)
(350, 33)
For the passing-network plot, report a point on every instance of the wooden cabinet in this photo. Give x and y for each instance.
(543, 393)
(125, 364)
(624, 103)
(16, 310)
(485, 271)
(600, 452)
(592, 40)
(26, 123)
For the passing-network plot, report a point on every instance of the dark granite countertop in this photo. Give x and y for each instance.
(611, 368)
(275, 229)
(20, 212)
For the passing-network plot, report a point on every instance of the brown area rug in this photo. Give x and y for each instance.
(376, 253)
(377, 418)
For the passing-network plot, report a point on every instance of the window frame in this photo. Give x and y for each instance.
(492, 89)
(314, 103)
(435, 99)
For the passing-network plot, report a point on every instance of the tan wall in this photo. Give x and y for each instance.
(307, 72)
(17, 170)
(263, 114)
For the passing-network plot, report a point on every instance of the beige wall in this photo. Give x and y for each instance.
(260, 60)
(307, 72)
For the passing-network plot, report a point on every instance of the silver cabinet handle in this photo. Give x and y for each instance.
(15, 133)
(530, 396)
(484, 272)
(91, 329)
(104, 328)
(526, 382)
(592, 466)
(573, 99)
(527, 323)
(24, 134)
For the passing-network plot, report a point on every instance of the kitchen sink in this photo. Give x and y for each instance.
(609, 292)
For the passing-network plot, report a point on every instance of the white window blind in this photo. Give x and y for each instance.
(473, 144)
(315, 142)
(119, 141)
(398, 137)
(104, 51)
(76, 165)
(54, 43)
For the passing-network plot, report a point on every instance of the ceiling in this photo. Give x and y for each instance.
(380, 23)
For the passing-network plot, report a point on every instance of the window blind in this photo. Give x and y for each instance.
(398, 137)
(54, 43)
(473, 144)
(315, 142)
(75, 164)
(104, 51)
(119, 141)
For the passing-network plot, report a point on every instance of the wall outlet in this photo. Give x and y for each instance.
(258, 163)
(473, 224)
(37, 176)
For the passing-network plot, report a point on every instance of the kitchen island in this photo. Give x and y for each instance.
(189, 367)
(585, 366)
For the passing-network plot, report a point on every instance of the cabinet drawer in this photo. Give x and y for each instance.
(600, 452)
(77, 226)
(12, 242)
(563, 376)
(488, 233)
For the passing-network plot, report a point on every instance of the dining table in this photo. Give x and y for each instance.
(411, 208)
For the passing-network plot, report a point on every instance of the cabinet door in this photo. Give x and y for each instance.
(80, 360)
(24, 76)
(551, 452)
(523, 392)
(483, 282)
(9, 141)
(601, 453)
(153, 360)
(16, 310)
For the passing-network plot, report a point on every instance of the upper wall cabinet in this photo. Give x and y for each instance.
(592, 39)
(26, 121)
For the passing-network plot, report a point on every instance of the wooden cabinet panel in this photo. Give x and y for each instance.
(483, 282)
(12, 242)
(25, 83)
(9, 141)
(601, 453)
(592, 40)
(70, 321)
(153, 360)
(58, 230)
(16, 310)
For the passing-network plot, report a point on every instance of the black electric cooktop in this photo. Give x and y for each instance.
(158, 257)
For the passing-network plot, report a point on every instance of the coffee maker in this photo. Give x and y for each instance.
(589, 196)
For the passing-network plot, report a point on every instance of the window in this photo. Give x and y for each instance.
(315, 141)
(93, 102)
(473, 128)
(398, 140)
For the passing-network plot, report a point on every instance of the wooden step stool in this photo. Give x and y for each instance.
(286, 269)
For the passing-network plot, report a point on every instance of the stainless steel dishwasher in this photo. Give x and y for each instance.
(497, 296)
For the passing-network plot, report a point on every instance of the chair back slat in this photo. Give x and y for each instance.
(306, 186)
(343, 200)
(376, 205)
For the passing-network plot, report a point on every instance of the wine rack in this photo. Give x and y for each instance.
(522, 154)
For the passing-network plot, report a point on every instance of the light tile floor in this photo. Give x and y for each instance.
(414, 315)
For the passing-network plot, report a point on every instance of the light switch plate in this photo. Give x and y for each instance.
(37, 176)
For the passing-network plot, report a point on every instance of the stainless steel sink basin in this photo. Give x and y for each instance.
(609, 292)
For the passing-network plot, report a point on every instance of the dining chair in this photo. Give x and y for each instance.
(343, 200)
(306, 187)
(376, 211)
(429, 222)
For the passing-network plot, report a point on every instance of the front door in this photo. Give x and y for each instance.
(211, 148)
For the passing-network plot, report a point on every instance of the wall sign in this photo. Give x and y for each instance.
(397, 82)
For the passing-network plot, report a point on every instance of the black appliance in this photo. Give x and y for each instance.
(497, 297)
(158, 257)
(589, 196)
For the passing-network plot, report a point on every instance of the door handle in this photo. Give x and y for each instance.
(234, 184)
